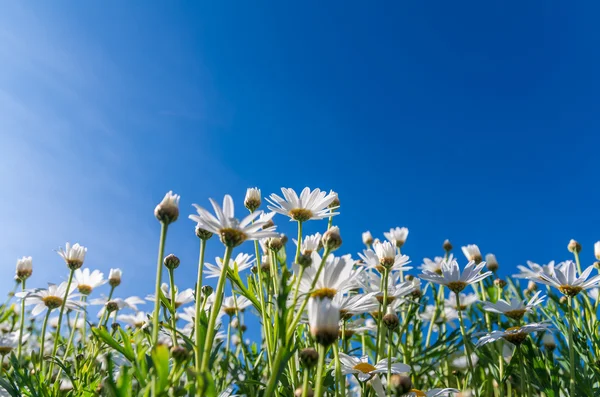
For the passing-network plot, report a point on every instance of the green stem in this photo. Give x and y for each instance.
(465, 339)
(43, 340)
(71, 336)
(339, 380)
(173, 308)
(320, 369)
(299, 245)
(572, 369)
(305, 385)
(524, 391)
(157, 291)
(274, 378)
(433, 317)
(22, 324)
(389, 363)
(266, 323)
(105, 315)
(380, 330)
(199, 300)
(60, 316)
(214, 312)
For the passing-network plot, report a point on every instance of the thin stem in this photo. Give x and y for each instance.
(305, 379)
(105, 315)
(320, 368)
(199, 301)
(43, 340)
(299, 246)
(60, 316)
(465, 340)
(71, 336)
(339, 380)
(22, 324)
(389, 363)
(524, 391)
(173, 308)
(572, 369)
(433, 317)
(380, 331)
(214, 312)
(157, 304)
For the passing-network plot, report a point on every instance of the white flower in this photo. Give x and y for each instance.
(127, 303)
(338, 276)
(597, 250)
(51, 298)
(566, 281)
(452, 277)
(181, 298)
(310, 243)
(24, 268)
(446, 316)
(242, 262)
(310, 205)
(364, 371)
(252, 200)
(8, 342)
(232, 304)
(472, 253)
(435, 265)
(534, 270)
(384, 257)
(514, 335)
(371, 282)
(86, 281)
(516, 309)
(73, 255)
(114, 277)
(359, 326)
(461, 362)
(466, 300)
(492, 262)
(367, 238)
(356, 304)
(167, 210)
(231, 231)
(137, 320)
(397, 236)
(323, 318)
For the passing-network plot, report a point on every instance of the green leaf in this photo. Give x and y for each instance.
(103, 335)
(160, 358)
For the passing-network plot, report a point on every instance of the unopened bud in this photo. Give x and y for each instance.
(203, 234)
(391, 319)
(367, 238)
(574, 246)
(114, 277)
(332, 239)
(243, 327)
(305, 260)
(275, 243)
(171, 262)
(549, 342)
(336, 201)
(532, 286)
(447, 246)
(299, 392)
(111, 306)
(235, 323)
(499, 283)
(491, 262)
(409, 277)
(179, 353)
(167, 211)
(252, 200)
(309, 357)
(207, 290)
(400, 385)
(563, 300)
(115, 326)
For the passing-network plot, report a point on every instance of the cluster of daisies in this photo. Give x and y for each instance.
(299, 319)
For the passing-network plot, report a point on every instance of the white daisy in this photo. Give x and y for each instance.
(356, 304)
(566, 281)
(371, 282)
(86, 281)
(445, 316)
(167, 210)
(514, 335)
(310, 205)
(435, 265)
(323, 319)
(358, 327)
(232, 304)
(8, 342)
(24, 268)
(397, 236)
(384, 256)
(533, 270)
(73, 255)
(131, 302)
(338, 276)
(472, 253)
(252, 200)
(466, 300)
(231, 231)
(364, 370)
(137, 320)
(51, 298)
(114, 277)
(451, 275)
(516, 308)
(181, 298)
(310, 243)
(242, 262)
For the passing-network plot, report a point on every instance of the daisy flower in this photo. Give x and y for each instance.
(516, 308)
(533, 270)
(446, 316)
(514, 335)
(24, 268)
(8, 342)
(384, 256)
(241, 262)
(357, 327)
(435, 265)
(397, 236)
(462, 363)
(167, 210)
(310, 243)
(323, 319)
(472, 253)
(453, 278)
(566, 281)
(127, 303)
(73, 255)
(252, 200)
(114, 277)
(51, 298)
(86, 281)
(233, 304)
(371, 282)
(351, 305)
(310, 205)
(231, 231)
(466, 300)
(137, 320)
(181, 298)
(338, 276)
(365, 371)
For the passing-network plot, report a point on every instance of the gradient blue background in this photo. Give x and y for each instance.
(473, 121)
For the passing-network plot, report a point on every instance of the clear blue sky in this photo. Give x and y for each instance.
(474, 121)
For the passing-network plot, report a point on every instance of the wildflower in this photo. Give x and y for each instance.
(548, 341)
(447, 246)
(435, 265)
(241, 262)
(461, 362)
(574, 246)
(171, 262)
(167, 211)
(8, 342)
(364, 370)
(514, 335)
(231, 231)
(252, 200)
(233, 304)
(350, 305)
(384, 256)
(391, 319)
(73, 255)
(533, 270)
(24, 268)
(114, 277)
(397, 236)
(446, 316)
(396, 289)
(309, 357)
(452, 277)
(51, 298)
(131, 302)
(516, 308)
(137, 320)
(492, 262)
(357, 327)
(181, 298)
(472, 253)
(310, 244)
(597, 250)
(338, 276)
(310, 205)
(566, 281)
(466, 300)
(367, 238)
(323, 318)
(86, 281)
(332, 239)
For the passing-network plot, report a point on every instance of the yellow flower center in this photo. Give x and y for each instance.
(365, 368)
(570, 290)
(324, 293)
(390, 299)
(457, 286)
(84, 289)
(52, 302)
(300, 214)
(515, 314)
(232, 237)
(418, 393)
(514, 335)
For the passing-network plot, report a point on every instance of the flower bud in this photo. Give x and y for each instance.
(179, 353)
(203, 234)
(309, 357)
(574, 246)
(332, 239)
(367, 238)
(305, 260)
(491, 262)
(24, 268)
(336, 201)
(252, 200)
(400, 385)
(532, 286)
(548, 341)
(114, 277)
(115, 326)
(391, 319)
(111, 306)
(447, 246)
(171, 262)
(275, 243)
(235, 323)
(207, 290)
(167, 211)
(597, 250)
(563, 300)
(499, 283)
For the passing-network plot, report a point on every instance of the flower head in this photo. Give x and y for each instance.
(252, 200)
(516, 308)
(453, 278)
(167, 211)
(466, 300)
(232, 304)
(86, 281)
(24, 268)
(231, 231)
(323, 318)
(114, 277)
(514, 335)
(51, 298)
(309, 205)
(566, 281)
(384, 256)
(338, 276)
(73, 255)
(472, 253)
(533, 270)
(137, 320)
(597, 250)
(241, 262)
(8, 342)
(181, 298)
(367, 238)
(397, 236)
(364, 370)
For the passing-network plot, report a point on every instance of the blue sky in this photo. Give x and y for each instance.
(473, 121)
